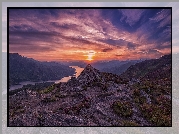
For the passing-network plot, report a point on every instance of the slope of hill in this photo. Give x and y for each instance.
(27, 69)
(97, 98)
(119, 68)
(150, 69)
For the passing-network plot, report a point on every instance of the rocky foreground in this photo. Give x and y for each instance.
(94, 98)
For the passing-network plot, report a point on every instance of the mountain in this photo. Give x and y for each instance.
(28, 69)
(112, 66)
(89, 75)
(98, 98)
(120, 67)
(150, 69)
(107, 64)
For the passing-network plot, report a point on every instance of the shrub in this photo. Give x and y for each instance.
(48, 89)
(122, 108)
(136, 92)
(105, 87)
(129, 123)
(156, 114)
(17, 110)
(103, 95)
(84, 87)
(49, 99)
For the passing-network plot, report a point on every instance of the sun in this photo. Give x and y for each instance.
(90, 55)
(89, 58)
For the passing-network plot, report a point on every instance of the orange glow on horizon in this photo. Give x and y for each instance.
(90, 55)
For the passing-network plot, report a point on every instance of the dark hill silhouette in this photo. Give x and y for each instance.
(150, 69)
(28, 69)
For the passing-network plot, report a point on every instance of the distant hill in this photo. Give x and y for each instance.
(112, 66)
(28, 69)
(120, 67)
(150, 69)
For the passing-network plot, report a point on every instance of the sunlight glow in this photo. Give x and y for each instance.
(90, 55)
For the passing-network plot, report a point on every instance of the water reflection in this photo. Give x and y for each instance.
(64, 79)
(77, 73)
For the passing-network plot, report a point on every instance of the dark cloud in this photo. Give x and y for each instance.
(152, 51)
(31, 48)
(31, 37)
(119, 55)
(107, 50)
(119, 42)
(131, 46)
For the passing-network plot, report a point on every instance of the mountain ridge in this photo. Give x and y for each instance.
(98, 98)
(144, 68)
(27, 69)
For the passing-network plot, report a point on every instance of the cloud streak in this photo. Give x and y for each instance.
(64, 33)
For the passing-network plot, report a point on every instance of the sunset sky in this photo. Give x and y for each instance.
(90, 34)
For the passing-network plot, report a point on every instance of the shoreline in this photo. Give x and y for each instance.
(78, 70)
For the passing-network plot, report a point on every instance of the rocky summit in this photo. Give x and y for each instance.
(90, 75)
(94, 98)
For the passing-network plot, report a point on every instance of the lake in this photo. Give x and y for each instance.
(78, 70)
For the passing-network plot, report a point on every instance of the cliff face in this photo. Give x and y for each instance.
(95, 98)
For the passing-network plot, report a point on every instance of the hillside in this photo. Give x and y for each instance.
(119, 68)
(150, 69)
(28, 69)
(114, 66)
(97, 98)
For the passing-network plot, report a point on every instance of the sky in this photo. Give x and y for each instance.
(90, 34)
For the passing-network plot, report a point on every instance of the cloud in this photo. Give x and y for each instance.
(113, 31)
(131, 16)
(131, 46)
(107, 50)
(34, 48)
(118, 55)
